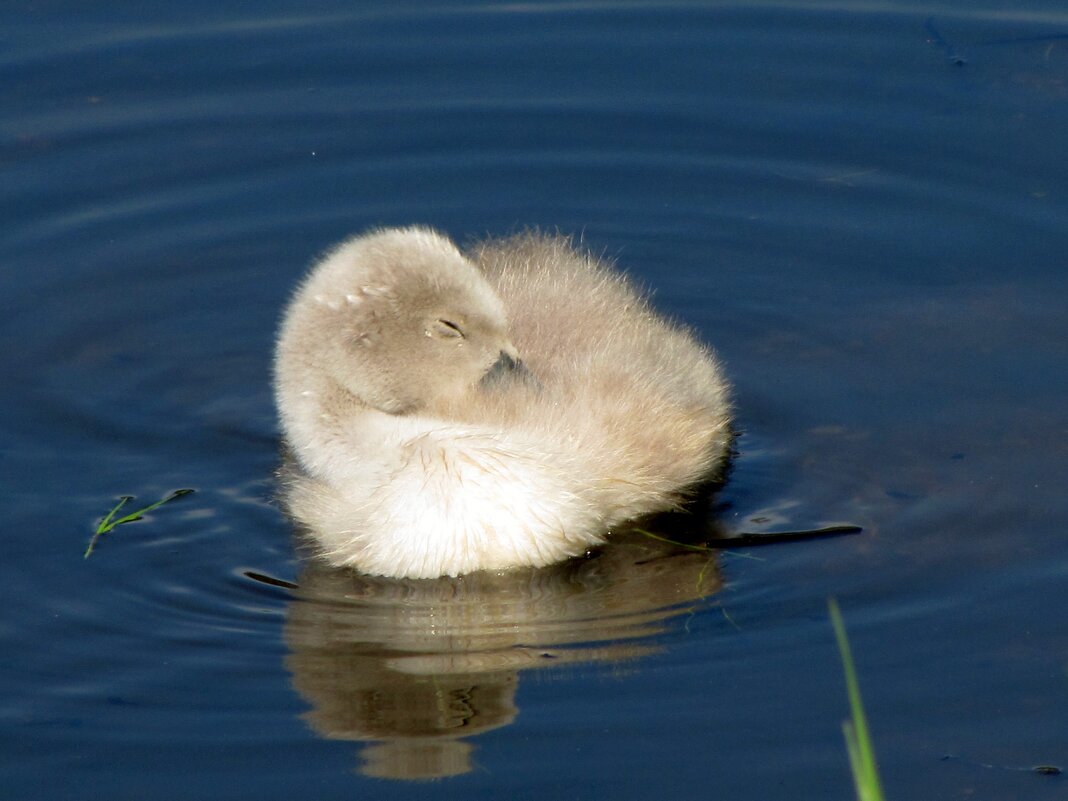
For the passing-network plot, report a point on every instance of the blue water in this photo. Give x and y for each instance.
(863, 206)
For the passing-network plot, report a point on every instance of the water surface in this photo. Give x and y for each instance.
(861, 205)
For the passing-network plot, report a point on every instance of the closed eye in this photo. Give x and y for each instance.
(447, 329)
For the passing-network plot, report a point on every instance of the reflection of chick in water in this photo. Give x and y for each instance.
(416, 665)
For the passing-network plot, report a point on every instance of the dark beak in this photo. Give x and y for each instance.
(507, 368)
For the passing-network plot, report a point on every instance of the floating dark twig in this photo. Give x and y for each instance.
(271, 580)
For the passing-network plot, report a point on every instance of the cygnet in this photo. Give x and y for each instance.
(507, 407)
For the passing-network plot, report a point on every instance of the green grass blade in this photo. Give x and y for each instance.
(142, 512)
(106, 525)
(856, 762)
(858, 740)
(110, 522)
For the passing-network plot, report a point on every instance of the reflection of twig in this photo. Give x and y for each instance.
(110, 522)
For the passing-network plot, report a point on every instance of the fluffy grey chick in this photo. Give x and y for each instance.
(425, 450)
